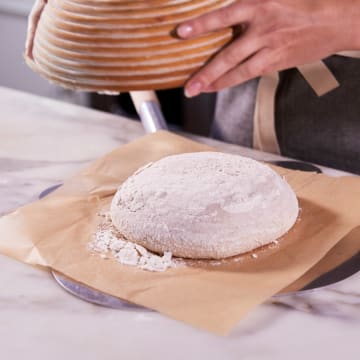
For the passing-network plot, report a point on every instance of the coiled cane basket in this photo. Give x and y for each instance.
(119, 45)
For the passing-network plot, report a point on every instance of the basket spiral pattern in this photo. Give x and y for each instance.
(119, 45)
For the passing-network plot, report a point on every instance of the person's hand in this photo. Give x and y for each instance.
(275, 35)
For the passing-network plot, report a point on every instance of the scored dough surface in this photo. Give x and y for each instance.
(204, 205)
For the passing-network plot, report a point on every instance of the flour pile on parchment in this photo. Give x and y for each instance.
(108, 242)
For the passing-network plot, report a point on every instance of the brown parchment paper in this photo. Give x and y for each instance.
(344, 250)
(54, 233)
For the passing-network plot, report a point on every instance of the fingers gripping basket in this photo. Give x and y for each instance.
(118, 45)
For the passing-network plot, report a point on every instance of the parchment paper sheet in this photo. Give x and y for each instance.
(54, 233)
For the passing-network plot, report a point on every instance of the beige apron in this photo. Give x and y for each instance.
(318, 76)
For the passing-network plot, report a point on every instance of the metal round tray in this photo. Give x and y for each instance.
(342, 272)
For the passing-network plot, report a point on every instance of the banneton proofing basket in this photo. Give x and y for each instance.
(118, 45)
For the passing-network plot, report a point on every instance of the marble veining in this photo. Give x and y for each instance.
(42, 143)
(339, 301)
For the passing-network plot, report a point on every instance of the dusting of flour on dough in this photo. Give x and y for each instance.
(204, 205)
(108, 242)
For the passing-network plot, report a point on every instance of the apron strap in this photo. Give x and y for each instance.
(264, 116)
(318, 76)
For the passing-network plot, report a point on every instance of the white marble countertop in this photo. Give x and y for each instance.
(42, 142)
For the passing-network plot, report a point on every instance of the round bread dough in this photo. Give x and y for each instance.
(204, 205)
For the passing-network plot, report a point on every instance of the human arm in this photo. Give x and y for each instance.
(279, 34)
